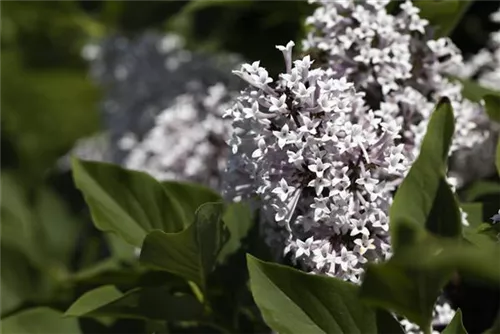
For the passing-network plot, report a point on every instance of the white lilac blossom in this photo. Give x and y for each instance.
(143, 76)
(442, 314)
(496, 217)
(187, 141)
(396, 63)
(320, 162)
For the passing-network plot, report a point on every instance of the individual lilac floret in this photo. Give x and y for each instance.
(496, 217)
(395, 62)
(442, 315)
(187, 141)
(321, 163)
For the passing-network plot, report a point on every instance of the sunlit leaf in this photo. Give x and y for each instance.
(142, 303)
(191, 253)
(39, 320)
(455, 326)
(126, 202)
(292, 301)
(424, 193)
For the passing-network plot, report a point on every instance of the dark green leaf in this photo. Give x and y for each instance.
(110, 271)
(416, 198)
(195, 5)
(455, 326)
(495, 329)
(391, 7)
(144, 303)
(445, 218)
(410, 293)
(19, 280)
(434, 255)
(126, 202)
(474, 213)
(443, 15)
(481, 188)
(39, 320)
(19, 228)
(191, 253)
(497, 160)
(239, 220)
(120, 249)
(292, 301)
(484, 234)
(492, 103)
(44, 111)
(190, 196)
(387, 323)
(93, 300)
(471, 90)
(59, 226)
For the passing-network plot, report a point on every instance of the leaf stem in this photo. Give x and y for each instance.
(197, 292)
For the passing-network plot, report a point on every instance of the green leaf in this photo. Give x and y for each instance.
(39, 320)
(474, 213)
(434, 255)
(191, 253)
(59, 102)
(111, 271)
(481, 188)
(199, 5)
(495, 329)
(19, 280)
(239, 220)
(19, 228)
(471, 90)
(126, 202)
(412, 279)
(391, 7)
(121, 250)
(442, 15)
(417, 200)
(387, 323)
(492, 102)
(144, 303)
(497, 160)
(455, 326)
(292, 301)
(190, 196)
(59, 226)
(93, 300)
(410, 293)
(445, 218)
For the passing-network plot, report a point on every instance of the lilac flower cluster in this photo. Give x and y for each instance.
(393, 59)
(321, 163)
(187, 141)
(324, 145)
(163, 105)
(143, 76)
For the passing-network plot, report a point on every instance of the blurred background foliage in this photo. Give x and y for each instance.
(48, 102)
